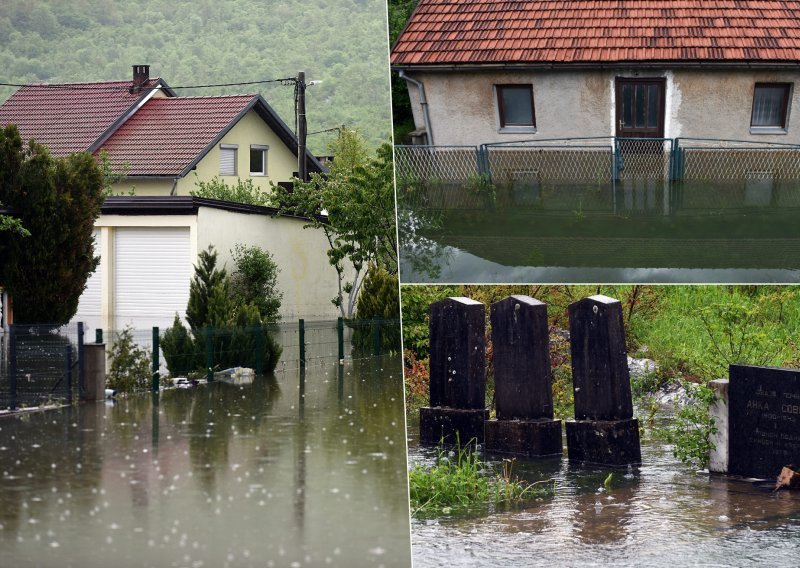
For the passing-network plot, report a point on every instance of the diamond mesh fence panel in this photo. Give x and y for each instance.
(713, 160)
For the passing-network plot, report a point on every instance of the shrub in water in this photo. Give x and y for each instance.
(378, 299)
(130, 364)
(179, 349)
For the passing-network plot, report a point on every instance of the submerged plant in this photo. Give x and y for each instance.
(460, 482)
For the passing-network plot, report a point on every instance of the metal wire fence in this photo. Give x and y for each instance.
(542, 173)
(41, 364)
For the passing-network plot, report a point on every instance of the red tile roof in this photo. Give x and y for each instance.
(447, 32)
(167, 134)
(68, 118)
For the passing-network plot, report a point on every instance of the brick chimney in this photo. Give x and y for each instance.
(141, 75)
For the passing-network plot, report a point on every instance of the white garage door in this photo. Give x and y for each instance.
(91, 302)
(152, 270)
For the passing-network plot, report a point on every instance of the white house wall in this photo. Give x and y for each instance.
(701, 103)
(306, 279)
(90, 306)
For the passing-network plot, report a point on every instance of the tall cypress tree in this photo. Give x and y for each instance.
(57, 200)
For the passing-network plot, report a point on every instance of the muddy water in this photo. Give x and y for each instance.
(654, 233)
(660, 514)
(280, 472)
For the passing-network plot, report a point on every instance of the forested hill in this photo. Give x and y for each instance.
(343, 43)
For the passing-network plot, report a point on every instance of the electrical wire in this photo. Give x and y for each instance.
(88, 87)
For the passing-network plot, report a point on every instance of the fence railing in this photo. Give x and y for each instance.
(40, 364)
(453, 177)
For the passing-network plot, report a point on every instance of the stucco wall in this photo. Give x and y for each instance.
(306, 279)
(281, 162)
(700, 103)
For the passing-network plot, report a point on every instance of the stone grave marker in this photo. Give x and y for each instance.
(604, 430)
(763, 420)
(457, 373)
(522, 378)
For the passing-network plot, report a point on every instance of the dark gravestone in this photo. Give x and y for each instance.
(764, 420)
(604, 430)
(522, 378)
(457, 373)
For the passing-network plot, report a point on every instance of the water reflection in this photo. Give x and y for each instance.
(259, 474)
(631, 231)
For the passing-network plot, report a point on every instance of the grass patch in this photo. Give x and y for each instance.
(460, 483)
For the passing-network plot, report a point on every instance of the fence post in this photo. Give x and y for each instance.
(616, 162)
(340, 334)
(376, 336)
(81, 374)
(302, 343)
(12, 364)
(68, 372)
(209, 355)
(484, 167)
(156, 374)
(98, 336)
(259, 349)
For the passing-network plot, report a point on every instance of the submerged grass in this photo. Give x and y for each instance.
(461, 482)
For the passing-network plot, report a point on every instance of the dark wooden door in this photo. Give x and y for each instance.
(640, 107)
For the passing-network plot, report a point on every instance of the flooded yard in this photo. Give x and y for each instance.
(646, 232)
(662, 513)
(294, 469)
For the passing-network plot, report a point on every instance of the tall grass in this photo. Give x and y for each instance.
(460, 482)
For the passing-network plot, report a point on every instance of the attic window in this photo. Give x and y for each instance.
(770, 113)
(227, 159)
(258, 160)
(515, 108)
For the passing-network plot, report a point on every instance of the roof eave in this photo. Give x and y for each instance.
(534, 65)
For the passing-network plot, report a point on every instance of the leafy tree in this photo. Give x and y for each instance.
(399, 13)
(12, 224)
(57, 200)
(354, 206)
(256, 281)
(243, 192)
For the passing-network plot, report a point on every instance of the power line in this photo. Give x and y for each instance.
(88, 87)
(336, 128)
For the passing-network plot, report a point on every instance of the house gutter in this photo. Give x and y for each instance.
(423, 103)
(585, 65)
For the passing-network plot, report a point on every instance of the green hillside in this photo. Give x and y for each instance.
(343, 43)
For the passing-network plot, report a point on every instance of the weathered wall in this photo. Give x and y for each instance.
(700, 103)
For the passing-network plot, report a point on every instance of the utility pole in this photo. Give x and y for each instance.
(301, 126)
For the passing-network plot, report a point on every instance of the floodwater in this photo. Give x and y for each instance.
(660, 514)
(291, 470)
(638, 232)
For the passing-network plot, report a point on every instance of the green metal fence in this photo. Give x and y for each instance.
(473, 177)
(40, 364)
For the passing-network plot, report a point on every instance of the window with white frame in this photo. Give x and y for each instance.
(770, 107)
(258, 160)
(227, 159)
(515, 110)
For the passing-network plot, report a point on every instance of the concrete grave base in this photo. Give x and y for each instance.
(440, 424)
(529, 438)
(604, 442)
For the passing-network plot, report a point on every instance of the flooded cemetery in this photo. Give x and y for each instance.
(599, 210)
(613, 487)
(241, 470)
